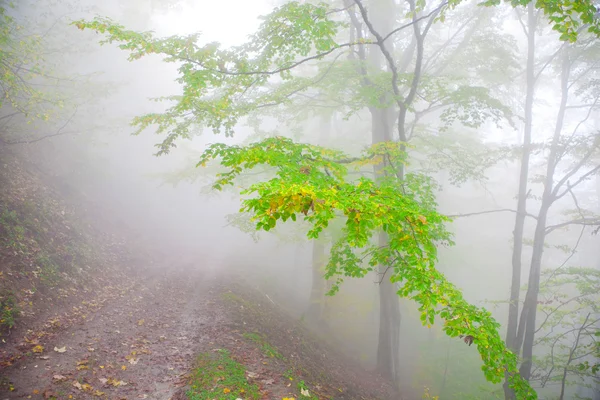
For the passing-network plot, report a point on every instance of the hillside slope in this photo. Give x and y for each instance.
(55, 267)
(84, 316)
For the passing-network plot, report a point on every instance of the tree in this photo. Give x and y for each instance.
(223, 86)
(569, 163)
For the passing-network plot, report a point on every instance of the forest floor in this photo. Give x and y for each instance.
(178, 336)
(86, 312)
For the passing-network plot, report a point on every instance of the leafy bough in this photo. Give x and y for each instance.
(313, 182)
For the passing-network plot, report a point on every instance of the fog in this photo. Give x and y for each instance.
(466, 128)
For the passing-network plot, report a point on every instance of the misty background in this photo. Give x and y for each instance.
(86, 149)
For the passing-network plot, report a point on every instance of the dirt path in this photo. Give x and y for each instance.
(135, 347)
(145, 343)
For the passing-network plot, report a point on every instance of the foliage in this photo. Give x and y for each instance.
(235, 72)
(9, 310)
(220, 87)
(21, 64)
(313, 181)
(220, 376)
(567, 16)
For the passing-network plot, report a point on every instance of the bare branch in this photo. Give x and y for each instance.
(59, 132)
(490, 212)
(416, 20)
(578, 181)
(583, 221)
(383, 48)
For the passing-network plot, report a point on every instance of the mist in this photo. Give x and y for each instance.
(477, 127)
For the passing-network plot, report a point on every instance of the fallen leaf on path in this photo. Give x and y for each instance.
(38, 349)
(59, 378)
(113, 382)
(305, 392)
(44, 358)
(251, 375)
(60, 349)
(140, 322)
(133, 361)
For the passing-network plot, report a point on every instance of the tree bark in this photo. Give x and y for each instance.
(388, 348)
(515, 287)
(548, 198)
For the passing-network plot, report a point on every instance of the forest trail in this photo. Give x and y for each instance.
(136, 346)
(144, 343)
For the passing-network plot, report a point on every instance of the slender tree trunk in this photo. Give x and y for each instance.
(381, 13)
(513, 308)
(515, 287)
(388, 349)
(317, 293)
(533, 287)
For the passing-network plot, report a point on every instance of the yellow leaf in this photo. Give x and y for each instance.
(123, 367)
(38, 349)
(226, 390)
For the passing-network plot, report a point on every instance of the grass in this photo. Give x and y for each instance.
(9, 311)
(265, 346)
(218, 376)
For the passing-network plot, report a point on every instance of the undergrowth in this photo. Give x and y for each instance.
(9, 311)
(218, 376)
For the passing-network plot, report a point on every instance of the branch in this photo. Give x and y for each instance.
(440, 49)
(582, 221)
(414, 21)
(293, 92)
(361, 49)
(381, 44)
(275, 71)
(57, 133)
(490, 212)
(575, 345)
(578, 181)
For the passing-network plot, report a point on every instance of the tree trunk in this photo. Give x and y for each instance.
(548, 198)
(388, 354)
(515, 287)
(315, 312)
(320, 286)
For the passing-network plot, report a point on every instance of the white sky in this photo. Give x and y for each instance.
(226, 21)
